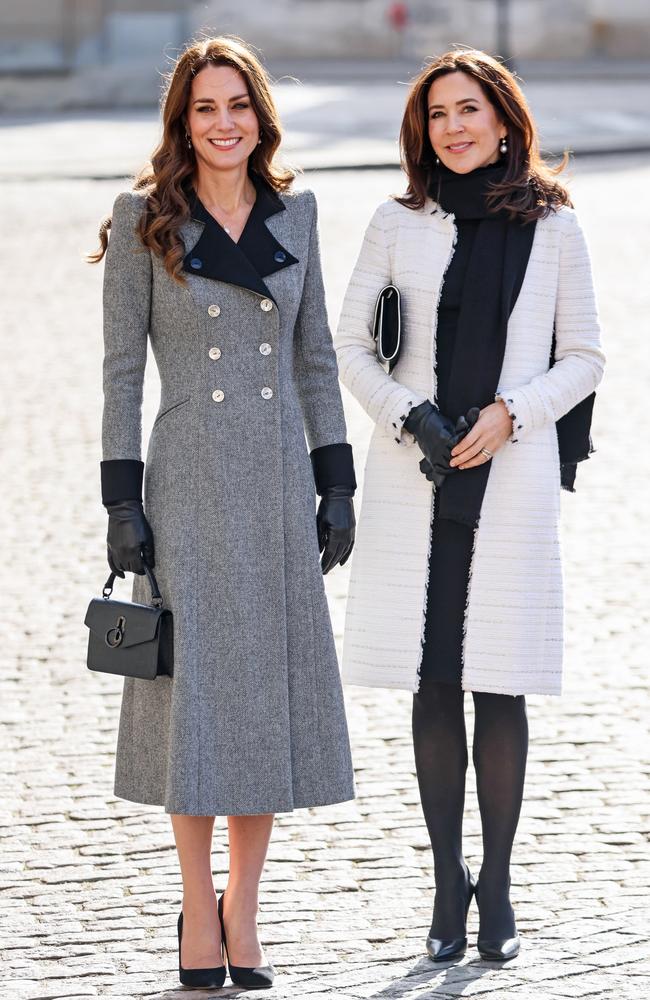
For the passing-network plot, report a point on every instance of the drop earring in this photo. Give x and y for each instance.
(437, 161)
(188, 140)
(503, 148)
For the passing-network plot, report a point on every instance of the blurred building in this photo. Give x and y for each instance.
(547, 29)
(117, 49)
(63, 35)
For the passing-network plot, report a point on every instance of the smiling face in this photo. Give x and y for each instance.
(464, 129)
(220, 119)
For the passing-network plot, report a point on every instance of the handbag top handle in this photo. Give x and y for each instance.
(156, 597)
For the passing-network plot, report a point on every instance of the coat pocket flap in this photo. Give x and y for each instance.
(122, 624)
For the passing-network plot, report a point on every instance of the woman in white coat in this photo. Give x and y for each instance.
(458, 587)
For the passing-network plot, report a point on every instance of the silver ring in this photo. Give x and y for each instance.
(484, 451)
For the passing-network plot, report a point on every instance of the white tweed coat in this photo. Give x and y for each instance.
(513, 633)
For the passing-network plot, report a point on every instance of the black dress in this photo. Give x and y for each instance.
(451, 542)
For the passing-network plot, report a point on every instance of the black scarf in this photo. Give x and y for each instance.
(495, 274)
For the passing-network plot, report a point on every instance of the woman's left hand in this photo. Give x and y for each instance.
(491, 431)
(335, 524)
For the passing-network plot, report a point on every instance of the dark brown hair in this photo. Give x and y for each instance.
(166, 178)
(529, 189)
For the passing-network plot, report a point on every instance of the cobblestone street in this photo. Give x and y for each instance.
(90, 888)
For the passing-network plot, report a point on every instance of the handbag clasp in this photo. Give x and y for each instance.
(114, 636)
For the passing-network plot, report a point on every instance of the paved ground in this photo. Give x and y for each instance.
(324, 123)
(89, 883)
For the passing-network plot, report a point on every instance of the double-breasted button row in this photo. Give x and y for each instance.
(219, 395)
(215, 352)
(214, 310)
(265, 349)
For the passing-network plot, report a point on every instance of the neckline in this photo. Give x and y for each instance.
(267, 202)
(448, 173)
(225, 228)
(245, 262)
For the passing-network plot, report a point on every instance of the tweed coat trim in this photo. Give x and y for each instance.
(254, 256)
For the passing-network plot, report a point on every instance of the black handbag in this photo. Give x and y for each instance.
(132, 640)
(387, 326)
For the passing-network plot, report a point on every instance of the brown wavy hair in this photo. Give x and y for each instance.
(166, 179)
(529, 189)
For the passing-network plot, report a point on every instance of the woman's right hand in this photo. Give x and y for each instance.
(130, 538)
(434, 433)
(438, 473)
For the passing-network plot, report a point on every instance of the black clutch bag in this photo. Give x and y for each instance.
(387, 326)
(133, 640)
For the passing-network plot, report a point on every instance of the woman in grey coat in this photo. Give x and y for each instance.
(216, 262)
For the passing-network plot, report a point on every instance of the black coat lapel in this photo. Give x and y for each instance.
(257, 242)
(257, 254)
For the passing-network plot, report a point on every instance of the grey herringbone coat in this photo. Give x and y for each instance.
(253, 719)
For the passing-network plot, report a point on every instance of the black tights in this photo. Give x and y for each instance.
(499, 754)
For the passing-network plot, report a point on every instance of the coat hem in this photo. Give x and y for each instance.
(495, 689)
(400, 685)
(277, 807)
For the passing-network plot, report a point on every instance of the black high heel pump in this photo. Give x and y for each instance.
(447, 949)
(198, 979)
(260, 978)
(498, 950)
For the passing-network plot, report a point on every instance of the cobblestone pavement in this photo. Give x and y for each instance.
(89, 885)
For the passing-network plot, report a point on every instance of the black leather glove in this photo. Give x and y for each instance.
(335, 524)
(435, 435)
(438, 474)
(130, 539)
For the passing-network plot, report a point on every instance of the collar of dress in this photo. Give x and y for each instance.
(255, 256)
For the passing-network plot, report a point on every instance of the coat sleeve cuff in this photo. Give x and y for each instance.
(519, 411)
(121, 480)
(333, 465)
(400, 409)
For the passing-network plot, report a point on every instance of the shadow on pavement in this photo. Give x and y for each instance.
(439, 980)
(442, 979)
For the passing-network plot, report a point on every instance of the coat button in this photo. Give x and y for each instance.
(215, 353)
(266, 305)
(196, 263)
(267, 393)
(265, 348)
(280, 256)
(214, 310)
(217, 395)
